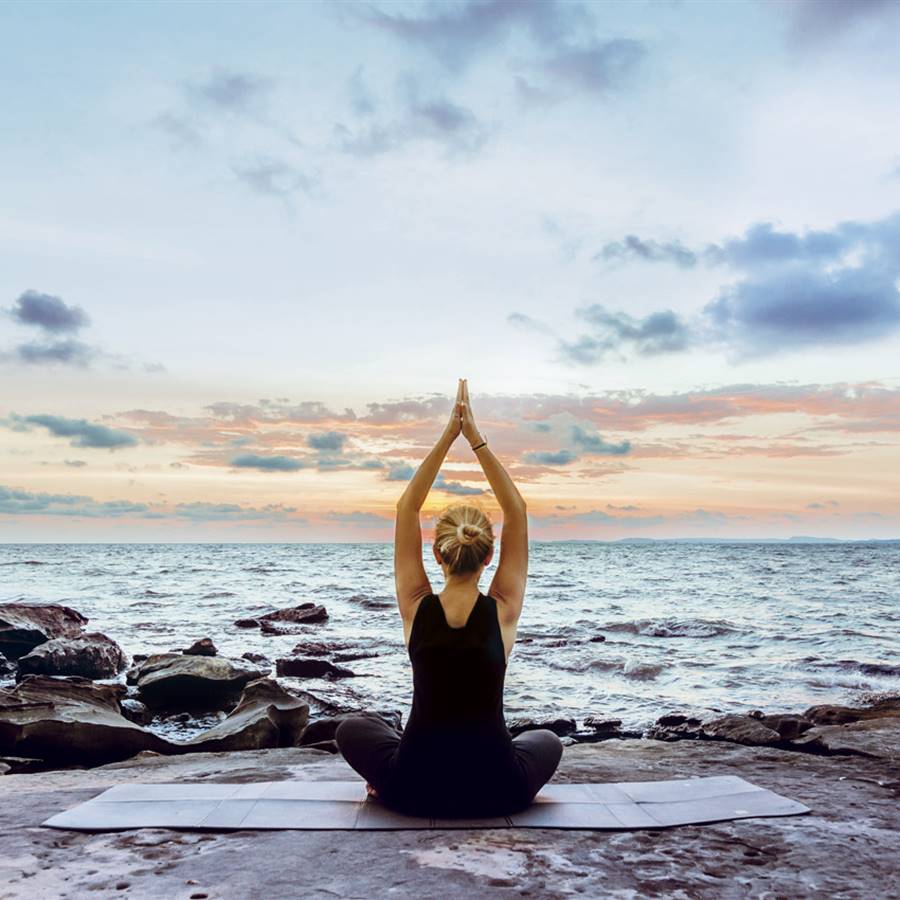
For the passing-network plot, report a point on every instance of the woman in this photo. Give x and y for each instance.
(456, 756)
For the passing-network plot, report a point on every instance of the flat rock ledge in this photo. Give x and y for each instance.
(848, 846)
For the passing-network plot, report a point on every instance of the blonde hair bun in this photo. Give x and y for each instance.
(466, 533)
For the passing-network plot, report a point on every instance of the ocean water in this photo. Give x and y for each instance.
(695, 628)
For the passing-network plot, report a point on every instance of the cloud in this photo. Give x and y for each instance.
(550, 458)
(598, 67)
(432, 118)
(631, 246)
(357, 518)
(819, 288)
(594, 444)
(362, 101)
(454, 487)
(17, 502)
(48, 312)
(273, 178)
(456, 35)
(234, 92)
(68, 352)
(268, 463)
(400, 472)
(827, 504)
(85, 434)
(327, 440)
(816, 22)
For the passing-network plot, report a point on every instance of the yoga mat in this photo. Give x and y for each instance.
(315, 805)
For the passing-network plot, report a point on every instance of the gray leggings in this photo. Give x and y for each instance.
(370, 746)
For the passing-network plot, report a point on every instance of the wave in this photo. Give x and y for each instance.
(25, 562)
(696, 628)
(215, 595)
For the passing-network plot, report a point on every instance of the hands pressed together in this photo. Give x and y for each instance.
(461, 418)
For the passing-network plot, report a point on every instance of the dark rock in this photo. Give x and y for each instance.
(315, 648)
(557, 726)
(176, 681)
(247, 623)
(607, 726)
(310, 668)
(323, 729)
(741, 730)
(787, 725)
(360, 654)
(203, 647)
(135, 711)
(597, 638)
(90, 655)
(70, 720)
(840, 715)
(257, 658)
(266, 716)
(305, 612)
(25, 625)
(675, 727)
(18, 765)
(6, 667)
(138, 657)
(873, 737)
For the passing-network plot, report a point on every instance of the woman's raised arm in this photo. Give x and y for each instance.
(508, 585)
(409, 572)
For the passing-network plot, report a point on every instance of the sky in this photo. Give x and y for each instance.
(247, 249)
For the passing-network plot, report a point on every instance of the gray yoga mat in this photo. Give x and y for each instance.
(318, 805)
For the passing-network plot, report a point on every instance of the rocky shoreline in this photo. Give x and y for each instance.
(63, 709)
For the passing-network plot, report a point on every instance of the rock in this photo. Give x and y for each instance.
(349, 657)
(69, 720)
(328, 746)
(323, 729)
(6, 667)
(265, 716)
(176, 681)
(279, 621)
(560, 727)
(675, 727)
(605, 725)
(90, 655)
(840, 715)
(314, 648)
(138, 657)
(597, 638)
(740, 730)
(258, 658)
(135, 711)
(305, 612)
(24, 625)
(203, 647)
(874, 737)
(788, 726)
(310, 668)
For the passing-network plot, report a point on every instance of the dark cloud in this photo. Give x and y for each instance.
(235, 92)
(68, 352)
(22, 503)
(215, 512)
(815, 22)
(357, 517)
(455, 487)
(48, 313)
(827, 504)
(400, 472)
(268, 463)
(183, 131)
(632, 247)
(550, 458)
(594, 444)
(799, 307)
(795, 290)
(659, 332)
(85, 434)
(327, 440)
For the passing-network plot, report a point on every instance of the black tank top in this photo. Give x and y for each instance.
(458, 679)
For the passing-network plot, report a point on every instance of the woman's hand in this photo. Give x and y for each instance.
(454, 426)
(469, 428)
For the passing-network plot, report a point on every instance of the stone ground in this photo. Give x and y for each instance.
(849, 846)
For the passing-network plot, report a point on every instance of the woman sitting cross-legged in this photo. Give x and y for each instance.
(456, 757)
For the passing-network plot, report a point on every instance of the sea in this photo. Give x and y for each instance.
(697, 628)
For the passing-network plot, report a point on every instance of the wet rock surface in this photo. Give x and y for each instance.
(315, 667)
(90, 655)
(846, 847)
(25, 625)
(177, 681)
(203, 647)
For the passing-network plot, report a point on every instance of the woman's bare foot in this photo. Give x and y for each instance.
(371, 791)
